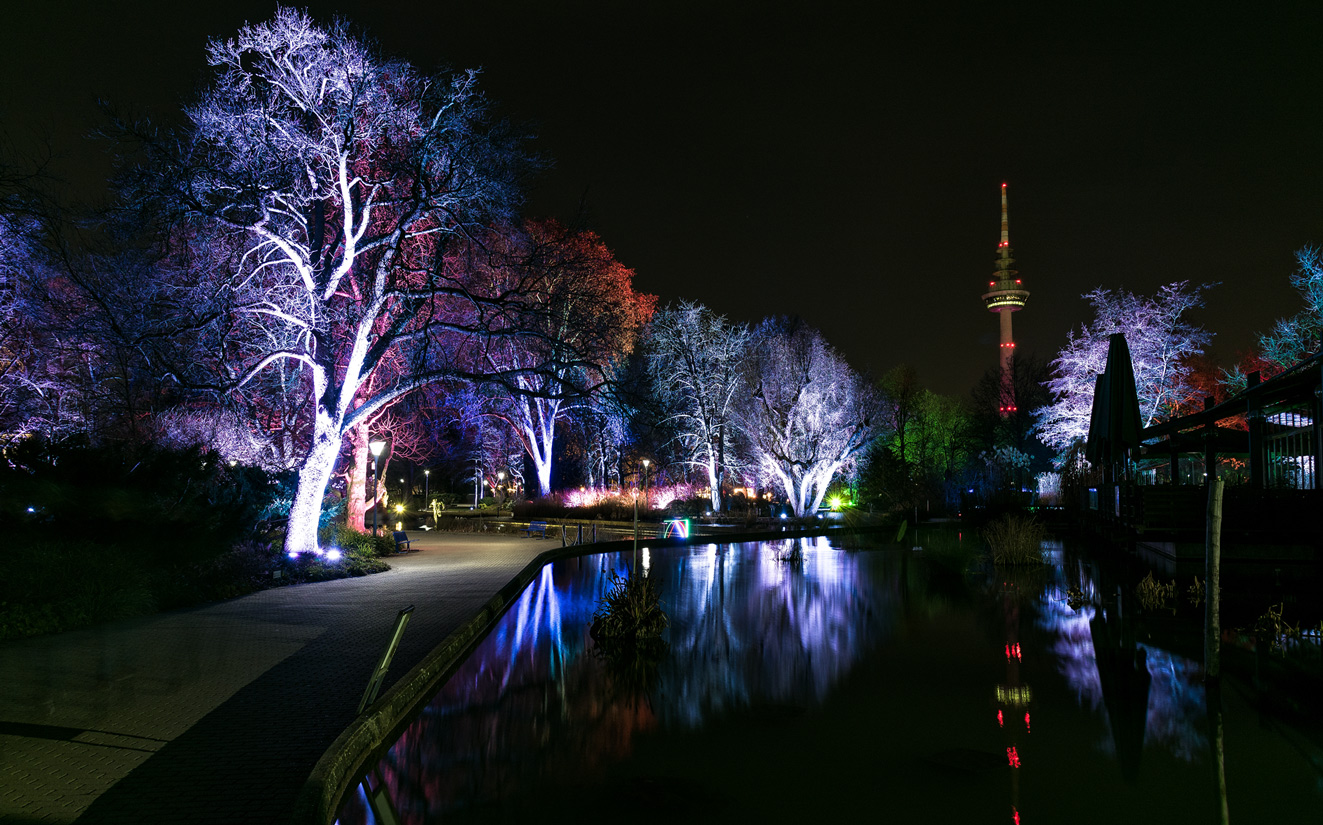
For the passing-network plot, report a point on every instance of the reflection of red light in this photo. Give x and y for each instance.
(1015, 816)
(1026, 721)
(1013, 756)
(999, 722)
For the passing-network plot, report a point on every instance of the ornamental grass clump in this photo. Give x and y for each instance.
(629, 613)
(1015, 540)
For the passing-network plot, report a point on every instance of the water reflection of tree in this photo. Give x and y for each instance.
(534, 712)
(1148, 696)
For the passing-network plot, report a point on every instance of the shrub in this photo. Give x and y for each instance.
(629, 612)
(459, 524)
(355, 562)
(54, 586)
(1015, 540)
(143, 497)
(689, 507)
(244, 569)
(350, 540)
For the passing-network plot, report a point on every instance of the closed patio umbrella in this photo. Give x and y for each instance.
(1115, 426)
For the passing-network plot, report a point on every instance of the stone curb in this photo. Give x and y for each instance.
(379, 725)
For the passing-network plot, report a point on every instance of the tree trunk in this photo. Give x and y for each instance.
(356, 486)
(541, 443)
(305, 513)
(714, 484)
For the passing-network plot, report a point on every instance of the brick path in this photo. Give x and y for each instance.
(218, 713)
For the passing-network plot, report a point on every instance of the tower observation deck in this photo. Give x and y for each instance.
(1005, 295)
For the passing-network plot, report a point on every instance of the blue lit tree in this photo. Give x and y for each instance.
(805, 416)
(1296, 338)
(695, 360)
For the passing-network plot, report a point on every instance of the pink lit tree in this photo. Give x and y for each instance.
(805, 415)
(1163, 343)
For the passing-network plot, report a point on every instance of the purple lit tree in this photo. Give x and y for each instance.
(694, 360)
(322, 194)
(1162, 345)
(805, 415)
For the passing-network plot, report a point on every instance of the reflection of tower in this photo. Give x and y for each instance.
(1013, 697)
(1004, 296)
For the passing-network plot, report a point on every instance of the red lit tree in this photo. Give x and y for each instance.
(584, 318)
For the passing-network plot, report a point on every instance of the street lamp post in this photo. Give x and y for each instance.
(375, 447)
(427, 489)
(477, 481)
(646, 462)
(500, 487)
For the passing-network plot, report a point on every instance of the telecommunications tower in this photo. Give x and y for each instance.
(1005, 295)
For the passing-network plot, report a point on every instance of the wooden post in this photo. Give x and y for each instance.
(1213, 560)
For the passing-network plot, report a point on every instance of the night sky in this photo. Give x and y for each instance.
(841, 161)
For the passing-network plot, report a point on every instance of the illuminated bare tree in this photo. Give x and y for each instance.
(317, 195)
(805, 414)
(694, 359)
(1296, 338)
(1162, 343)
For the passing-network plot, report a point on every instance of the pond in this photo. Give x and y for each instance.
(898, 682)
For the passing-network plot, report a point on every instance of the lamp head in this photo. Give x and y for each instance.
(376, 447)
(646, 462)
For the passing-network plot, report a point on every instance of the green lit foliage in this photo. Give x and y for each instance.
(349, 540)
(924, 450)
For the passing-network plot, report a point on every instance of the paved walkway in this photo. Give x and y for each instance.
(218, 713)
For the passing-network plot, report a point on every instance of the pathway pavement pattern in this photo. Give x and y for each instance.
(217, 714)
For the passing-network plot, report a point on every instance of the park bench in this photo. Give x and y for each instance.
(402, 540)
(539, 527)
